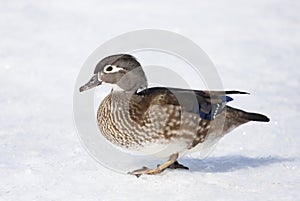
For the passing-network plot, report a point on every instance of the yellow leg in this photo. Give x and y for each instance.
(158, 170)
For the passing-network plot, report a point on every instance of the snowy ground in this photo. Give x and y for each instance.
(254, 44)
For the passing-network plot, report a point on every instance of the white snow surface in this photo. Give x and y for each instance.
(254, 44)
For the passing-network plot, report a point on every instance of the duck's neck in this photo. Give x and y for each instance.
(121, 96)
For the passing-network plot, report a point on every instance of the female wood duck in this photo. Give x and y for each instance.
(166, 122)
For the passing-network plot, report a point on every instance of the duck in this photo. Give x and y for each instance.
(165, 122)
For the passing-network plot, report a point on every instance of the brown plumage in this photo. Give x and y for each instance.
(166, 122)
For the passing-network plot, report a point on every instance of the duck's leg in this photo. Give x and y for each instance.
(158, 170)
(176, 165)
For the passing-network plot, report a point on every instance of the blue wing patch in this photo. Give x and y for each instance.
(209, 111)
(226, 98)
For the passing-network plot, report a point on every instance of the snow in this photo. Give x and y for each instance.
(254, 44)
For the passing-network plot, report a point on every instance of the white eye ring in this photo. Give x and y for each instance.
(111, 69)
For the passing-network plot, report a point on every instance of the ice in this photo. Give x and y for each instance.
(255, 46)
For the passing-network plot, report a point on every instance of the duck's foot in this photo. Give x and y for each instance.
(139, 172)
(159, 169)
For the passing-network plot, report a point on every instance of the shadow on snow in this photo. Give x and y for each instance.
(229, 163)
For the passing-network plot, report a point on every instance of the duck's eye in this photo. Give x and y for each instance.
(111, 69)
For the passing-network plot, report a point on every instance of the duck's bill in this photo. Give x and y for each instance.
(91, 84)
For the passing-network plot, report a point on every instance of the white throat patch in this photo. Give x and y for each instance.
(116, 87)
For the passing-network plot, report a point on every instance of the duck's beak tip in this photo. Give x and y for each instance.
(91, 84)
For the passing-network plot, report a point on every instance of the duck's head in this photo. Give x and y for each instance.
(123, 71)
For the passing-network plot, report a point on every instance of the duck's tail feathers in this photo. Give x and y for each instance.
(254, 117)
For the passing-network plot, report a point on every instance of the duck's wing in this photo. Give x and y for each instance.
(207, 104)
